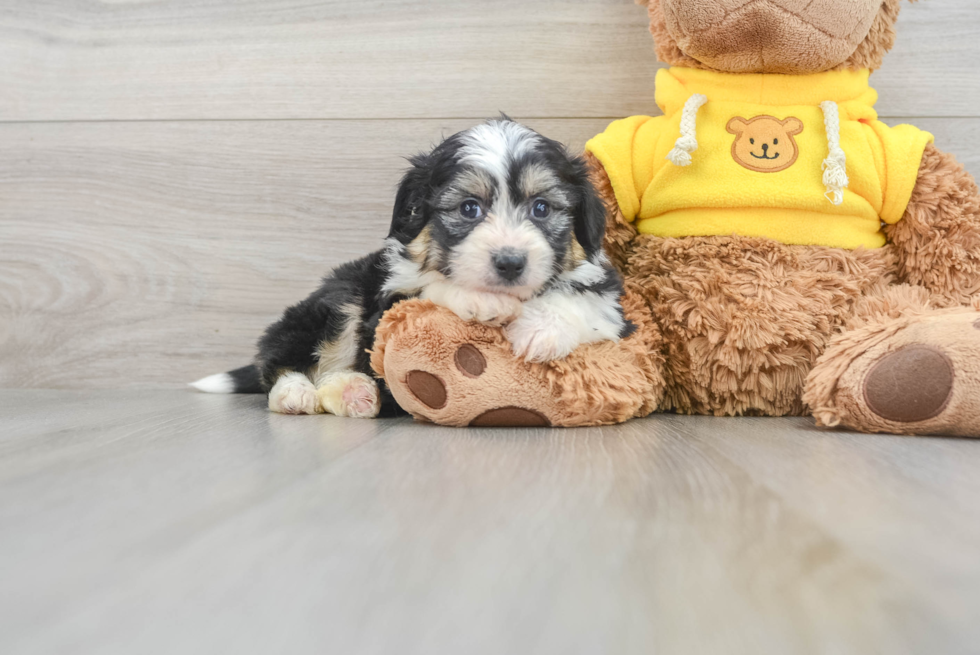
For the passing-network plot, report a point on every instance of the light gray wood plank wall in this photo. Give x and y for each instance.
(157, 211)
(185, 59)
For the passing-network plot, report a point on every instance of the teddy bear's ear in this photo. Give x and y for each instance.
(737, 125)
(793, 126)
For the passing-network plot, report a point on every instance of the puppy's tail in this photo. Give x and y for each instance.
(241, 380)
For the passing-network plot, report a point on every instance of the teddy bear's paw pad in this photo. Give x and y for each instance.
(470, 361)
(912, 384)
(427, 388)
(510, 417)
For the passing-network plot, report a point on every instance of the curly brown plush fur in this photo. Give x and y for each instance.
(744, 319)
(938, 241)
(870, 53)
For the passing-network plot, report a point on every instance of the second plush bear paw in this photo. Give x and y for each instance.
(913, 375)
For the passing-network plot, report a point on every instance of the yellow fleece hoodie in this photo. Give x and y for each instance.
(802, 159)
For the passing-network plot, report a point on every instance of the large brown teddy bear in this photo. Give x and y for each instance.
(784, 252)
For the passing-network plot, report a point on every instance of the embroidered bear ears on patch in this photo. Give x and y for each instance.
(765, 144)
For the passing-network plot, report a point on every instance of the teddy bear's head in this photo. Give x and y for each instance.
(773, 36)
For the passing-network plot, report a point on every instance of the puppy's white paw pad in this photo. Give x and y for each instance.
(350, 394)
(361, 399)
(293, 395)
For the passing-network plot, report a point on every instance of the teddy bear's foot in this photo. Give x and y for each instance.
(452, 372)
(913, 375)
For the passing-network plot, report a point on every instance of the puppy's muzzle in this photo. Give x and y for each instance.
(509, 264)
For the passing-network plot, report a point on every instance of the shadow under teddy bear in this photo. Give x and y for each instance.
(785, 253)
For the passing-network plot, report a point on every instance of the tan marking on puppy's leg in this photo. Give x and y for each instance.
(339, 354)
(348, 393)
(293, 393)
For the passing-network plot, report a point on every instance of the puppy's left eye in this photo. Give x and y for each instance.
(540, 208)
(471, 209)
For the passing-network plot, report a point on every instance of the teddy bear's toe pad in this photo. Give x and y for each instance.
(470, 361)
(912, 384)
(429, 389)
(511, 417)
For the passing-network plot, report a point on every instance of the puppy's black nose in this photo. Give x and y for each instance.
(765, 147)
(509, 265)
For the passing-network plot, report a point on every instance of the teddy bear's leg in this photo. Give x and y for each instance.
(937, 242)
(903, 367)
(452, 372)
(909, 361)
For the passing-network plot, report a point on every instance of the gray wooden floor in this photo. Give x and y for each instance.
(173, 522)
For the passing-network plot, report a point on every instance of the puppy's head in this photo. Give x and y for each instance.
(498, 208)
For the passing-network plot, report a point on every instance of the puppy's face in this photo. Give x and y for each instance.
(505, 210)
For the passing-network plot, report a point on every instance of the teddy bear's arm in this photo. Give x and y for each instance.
(619, 232)
(938, 239)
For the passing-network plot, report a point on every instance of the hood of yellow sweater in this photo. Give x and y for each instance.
(849, 89)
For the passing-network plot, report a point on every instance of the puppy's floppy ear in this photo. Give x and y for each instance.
(409, 215)
(590, 216)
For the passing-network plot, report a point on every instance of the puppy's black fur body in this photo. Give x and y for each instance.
(423, 245)
(291, 343)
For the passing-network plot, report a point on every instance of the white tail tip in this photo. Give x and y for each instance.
(217, 383)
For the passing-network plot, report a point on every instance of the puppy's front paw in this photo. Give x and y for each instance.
(487, 308)
(495, 308)
(293, 393)
(470, 305)
(541, 336)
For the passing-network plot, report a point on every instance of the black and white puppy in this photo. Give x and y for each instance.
(498, 224)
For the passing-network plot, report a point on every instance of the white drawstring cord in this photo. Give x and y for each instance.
(688, 141)
(835, 165)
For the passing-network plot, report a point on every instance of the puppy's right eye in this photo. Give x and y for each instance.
(752, 141)
(471, 209)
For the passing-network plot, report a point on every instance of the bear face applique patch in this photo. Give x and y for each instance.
(765, 144)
